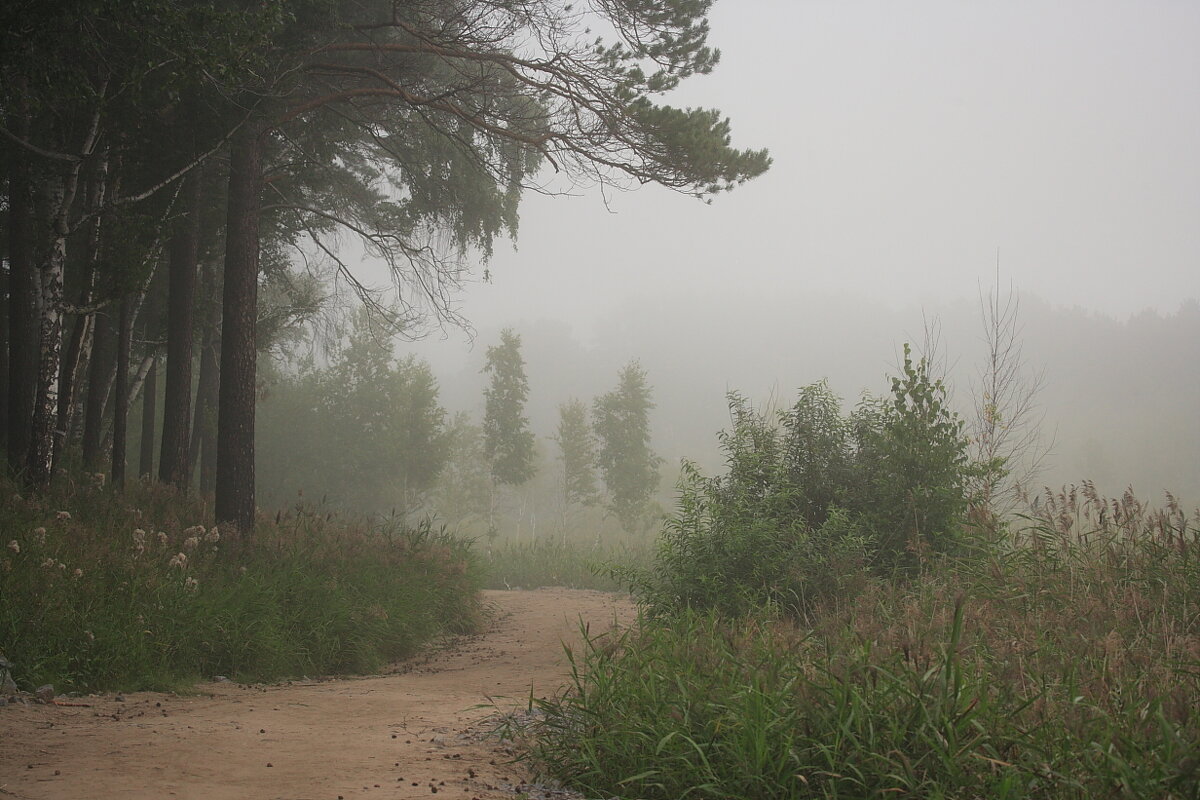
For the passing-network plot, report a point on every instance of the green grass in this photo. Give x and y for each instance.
(1065, 666)
(559, 562)
(107, 591)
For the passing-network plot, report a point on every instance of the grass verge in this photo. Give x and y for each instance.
(105, 591)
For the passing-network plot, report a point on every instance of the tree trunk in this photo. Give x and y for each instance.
(120, 427)
(22, 312)
(4, 360)
(173, 463)
(204, 424)
(75, 356)
(99, 370)
(235, 412)
(58, 193)
(149, 412)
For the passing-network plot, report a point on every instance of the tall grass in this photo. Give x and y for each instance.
(107, 591)
(1065, 665)
(562, 562)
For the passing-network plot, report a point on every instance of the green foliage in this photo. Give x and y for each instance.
(811, 500)
(912, 456)
(577, 452)
(464, 488)
(367, 431)
(561, 562)
(621, 419)
(100, 591)
(1063, 668)
(508, 442)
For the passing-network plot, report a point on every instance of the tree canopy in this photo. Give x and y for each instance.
(414, 126)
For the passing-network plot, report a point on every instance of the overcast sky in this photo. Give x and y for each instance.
(913, 142)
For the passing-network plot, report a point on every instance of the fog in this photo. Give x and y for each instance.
(913, 144)
(920, 150)
(924, 153)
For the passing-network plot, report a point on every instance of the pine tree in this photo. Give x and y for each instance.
(508, 442)
(621, 419)
(577, 452)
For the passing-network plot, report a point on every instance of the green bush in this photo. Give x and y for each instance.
(813, 501)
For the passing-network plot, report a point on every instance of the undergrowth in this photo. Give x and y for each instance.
(131, 591)
(1065, 664)
(561, 562)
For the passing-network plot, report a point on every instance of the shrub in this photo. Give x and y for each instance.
(811, 499)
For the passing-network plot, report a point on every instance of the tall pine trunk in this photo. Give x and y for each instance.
(100, 368)
(22, 312)
(149, 412)
(204, 423)
(120, 428)
(173, 462)
(235, 412)
(4, 360)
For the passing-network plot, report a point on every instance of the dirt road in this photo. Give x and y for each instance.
(415, 733)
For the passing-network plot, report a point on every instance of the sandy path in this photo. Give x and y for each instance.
(403, 735)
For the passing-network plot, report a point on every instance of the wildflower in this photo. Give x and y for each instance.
(162, 537)
(213, 536)
(15, 546)
(191, 584)
(139, 537)
(63, 516)
(39, 534)
(61, 566)
(178, 560)
(48, 563)
(78, 573)
(195, 530)
(190, 543)
(91, 637)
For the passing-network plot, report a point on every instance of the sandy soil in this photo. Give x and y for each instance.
(412, 733)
